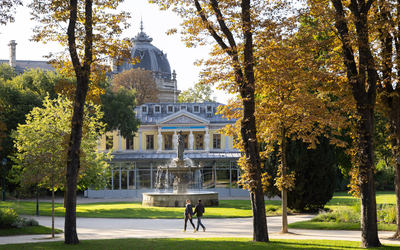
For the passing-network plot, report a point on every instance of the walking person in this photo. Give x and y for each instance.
(188, 215)
(199, 210)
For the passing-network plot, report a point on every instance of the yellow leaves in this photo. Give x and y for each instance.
(354, 183)
(172, 31)
(286, 182)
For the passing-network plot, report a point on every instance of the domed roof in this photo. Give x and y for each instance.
(151, 58)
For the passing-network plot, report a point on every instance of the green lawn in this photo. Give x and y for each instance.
(345, 199)
(337, 226)
(341, 200)
(227, 209)
(189, 244)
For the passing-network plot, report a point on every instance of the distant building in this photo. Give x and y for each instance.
(22, 65)
(135, 163)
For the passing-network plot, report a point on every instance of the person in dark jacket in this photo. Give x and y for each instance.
(199, 210)
(188, 215)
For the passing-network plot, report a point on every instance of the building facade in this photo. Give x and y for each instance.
(135, 165)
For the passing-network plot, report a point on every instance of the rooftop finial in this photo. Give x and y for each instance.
(141, 24)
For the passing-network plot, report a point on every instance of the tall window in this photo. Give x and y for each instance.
(170, 109)
(199, 141)
(149, 141)
(216, 141)
(129, 143)
(109, 142)
(196, 109)
(185, 141)
(168, 142)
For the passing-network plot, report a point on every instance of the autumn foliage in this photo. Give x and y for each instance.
(139, 79)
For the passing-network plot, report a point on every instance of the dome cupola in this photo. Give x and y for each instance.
(151, 58)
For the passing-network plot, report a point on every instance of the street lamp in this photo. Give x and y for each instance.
(37, 200)
(4, 178)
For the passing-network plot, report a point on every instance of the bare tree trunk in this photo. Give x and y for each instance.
(283, 174)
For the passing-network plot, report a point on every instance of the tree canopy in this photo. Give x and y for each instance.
(199, 93)
(140, 80)
(42, 146)
(119, 110)
(7, 9)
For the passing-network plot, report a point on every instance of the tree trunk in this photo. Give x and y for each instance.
(283, 175)
(397, 191)
(244, 78)
(52, 212)
(390, 94)
(71, 236)
(363, 78)
(394, 129)
(369, 225)
(82, 73)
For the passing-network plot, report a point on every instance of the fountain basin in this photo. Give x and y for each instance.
(169, 199)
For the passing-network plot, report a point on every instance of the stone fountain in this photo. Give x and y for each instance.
(182, 169)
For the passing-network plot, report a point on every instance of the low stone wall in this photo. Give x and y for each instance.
(208, 199)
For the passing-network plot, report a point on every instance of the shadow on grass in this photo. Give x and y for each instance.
(190, 243)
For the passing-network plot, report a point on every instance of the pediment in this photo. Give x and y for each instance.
(183, 117)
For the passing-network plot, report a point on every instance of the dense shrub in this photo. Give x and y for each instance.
(9, 219)
(8, 216)
(315, 173)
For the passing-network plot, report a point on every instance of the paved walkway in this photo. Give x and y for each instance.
(99, 228)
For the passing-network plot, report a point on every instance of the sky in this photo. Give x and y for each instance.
(155, 23)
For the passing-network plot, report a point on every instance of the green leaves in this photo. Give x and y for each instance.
(201, 92)
(42, 145)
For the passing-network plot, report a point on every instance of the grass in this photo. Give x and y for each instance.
(345, 203)
(28, 230)
(345, 199)
(189, 244)
(227, 209)
(337, 225)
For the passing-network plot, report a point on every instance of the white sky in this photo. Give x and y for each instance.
(155, 23)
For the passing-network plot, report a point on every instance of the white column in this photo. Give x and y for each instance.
(207, 140)
(159, 139)
(140, 142)
(191, 140)
(119, 141)
(175, 140)
(226, 144)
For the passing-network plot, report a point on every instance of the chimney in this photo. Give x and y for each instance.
(13, 57)
(113, 65)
